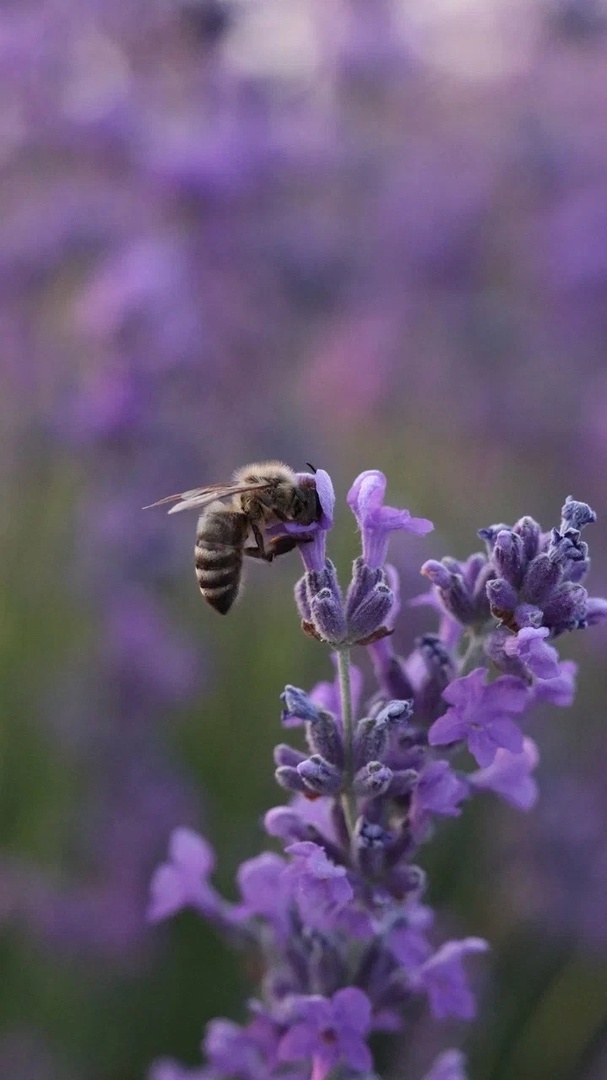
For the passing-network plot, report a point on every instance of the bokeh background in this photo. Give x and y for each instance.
(362, 233)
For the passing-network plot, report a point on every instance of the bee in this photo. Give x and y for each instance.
(234, 519)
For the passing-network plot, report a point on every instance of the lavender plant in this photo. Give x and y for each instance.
(344, 938)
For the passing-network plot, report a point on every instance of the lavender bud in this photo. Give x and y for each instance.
(530, 534)
(328, 617)
(372, 780)
(317, 580)
(453, 591)
(567, 547)
(297, 705)
(326, 604)
(324, 738)
(502, 594)
(566, 609)
(289, 778)
(284, 823)
(395, 712)
(319, 776)
(437, 574)
(576, 514)
(364, 580)
(371, 614)
(542, 577)
(369, 744)
(502, 597)
(528, 615)
(474, 566)
(508, 556)
(372, 734)
(490, 534)
(287, 755)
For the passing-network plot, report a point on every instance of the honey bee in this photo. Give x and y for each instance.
(260, 496)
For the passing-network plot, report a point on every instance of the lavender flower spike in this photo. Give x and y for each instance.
(344, 939)
(376, 521)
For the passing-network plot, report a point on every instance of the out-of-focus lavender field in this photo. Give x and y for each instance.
(361, 233)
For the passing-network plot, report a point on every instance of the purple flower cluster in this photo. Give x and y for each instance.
(339, 920)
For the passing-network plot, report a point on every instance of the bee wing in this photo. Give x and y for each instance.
(198, 498)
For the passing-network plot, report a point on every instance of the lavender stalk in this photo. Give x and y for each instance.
(345, 691)
(346, 943)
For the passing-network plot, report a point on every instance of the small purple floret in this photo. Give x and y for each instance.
(444, 980)
(329, 1032)
(376, 521)
(480, 715)
(320, 888)
(438, 791)
(183, 880)
(509, 775)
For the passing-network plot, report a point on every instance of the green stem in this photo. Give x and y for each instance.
(472, 654)
(348, 799)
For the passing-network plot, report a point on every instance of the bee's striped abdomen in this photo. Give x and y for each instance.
(218, 555)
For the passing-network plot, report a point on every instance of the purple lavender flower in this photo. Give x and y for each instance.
(509, 775)
(438, 791)
(525, 653)
(365, 614)
(443, 978)
(182, 881)
(537, 576)
(462, 587)
(241, 1051)
(265, 892)
(376, 521)
(329, 1032)
(481, 715)
(559, 690)
(298, 707)
(344, 937)
(321, 889)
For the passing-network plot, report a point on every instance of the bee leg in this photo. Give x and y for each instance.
(280, 545)
(259, 551)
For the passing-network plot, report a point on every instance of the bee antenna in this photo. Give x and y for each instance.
(312, 467)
